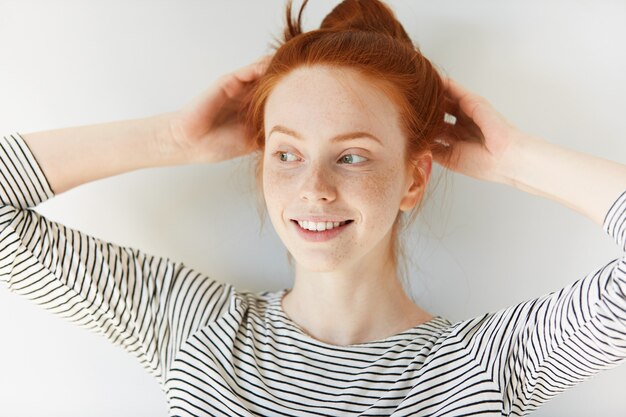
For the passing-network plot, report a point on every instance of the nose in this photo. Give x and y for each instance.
(318, 184)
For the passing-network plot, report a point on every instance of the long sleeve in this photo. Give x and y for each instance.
(148, 305)
(541, 347)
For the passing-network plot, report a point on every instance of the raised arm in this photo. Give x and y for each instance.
(585, 183)
(76, 155)
(208, 129)
(147, 304)
(541, 347)
(141, 302)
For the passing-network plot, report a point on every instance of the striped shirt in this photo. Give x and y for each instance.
(218, 351)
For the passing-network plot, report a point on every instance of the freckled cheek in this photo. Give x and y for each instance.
(377, 197)
(278, 189)
(373, 195)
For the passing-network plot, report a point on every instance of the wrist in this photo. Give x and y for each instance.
(516, 159)
(168, 152)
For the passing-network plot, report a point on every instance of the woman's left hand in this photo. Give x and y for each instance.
(488, 161)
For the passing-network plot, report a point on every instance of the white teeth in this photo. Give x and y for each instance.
(319, 226)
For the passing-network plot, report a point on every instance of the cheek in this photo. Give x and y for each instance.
(278, 186)
(380, 193)
(377, 193)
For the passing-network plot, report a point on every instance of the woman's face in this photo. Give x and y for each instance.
(310, 174)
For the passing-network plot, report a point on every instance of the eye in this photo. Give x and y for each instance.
(350, 157)
(281, 156)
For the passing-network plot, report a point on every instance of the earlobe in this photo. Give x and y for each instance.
(412, 196)
(419, 180)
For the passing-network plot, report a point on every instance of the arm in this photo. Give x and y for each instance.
(582, 182)
(541, 347)
(146, 304)
(568, 336)
(77, 155)
(210, 128)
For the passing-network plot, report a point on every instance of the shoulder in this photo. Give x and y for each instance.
(258, 302)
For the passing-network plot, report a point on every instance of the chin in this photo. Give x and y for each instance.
(319, 263)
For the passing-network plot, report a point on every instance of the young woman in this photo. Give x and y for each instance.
(346, 122)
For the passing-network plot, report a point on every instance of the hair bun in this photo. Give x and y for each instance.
(357, 15)
(367, 16)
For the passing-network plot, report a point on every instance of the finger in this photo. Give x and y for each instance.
(467, 100)
(252, 71)
(229, 86)
(234, 83)
(263, 62)
(465, 158)
(456, 90)
(475, 106)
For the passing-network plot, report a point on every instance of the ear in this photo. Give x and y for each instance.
(417, 179)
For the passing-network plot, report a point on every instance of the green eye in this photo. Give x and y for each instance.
(349, 159)
(280, 156)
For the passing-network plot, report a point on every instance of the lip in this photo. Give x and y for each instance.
(322, 236)
(319, 219)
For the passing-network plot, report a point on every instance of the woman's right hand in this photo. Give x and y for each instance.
(211, 127)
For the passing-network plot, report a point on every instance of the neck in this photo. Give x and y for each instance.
(363, 304)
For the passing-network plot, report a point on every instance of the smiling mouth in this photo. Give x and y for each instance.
(307, 225)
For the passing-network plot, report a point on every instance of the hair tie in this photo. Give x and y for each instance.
(449, 118)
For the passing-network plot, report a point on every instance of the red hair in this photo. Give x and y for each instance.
(365, 36)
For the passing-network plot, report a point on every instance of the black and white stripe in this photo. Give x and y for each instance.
(222, 352)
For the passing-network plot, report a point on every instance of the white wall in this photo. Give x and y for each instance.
(554, 69)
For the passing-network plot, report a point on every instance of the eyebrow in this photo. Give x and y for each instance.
(338, 138)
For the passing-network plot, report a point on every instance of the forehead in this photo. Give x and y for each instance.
(328, 101)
